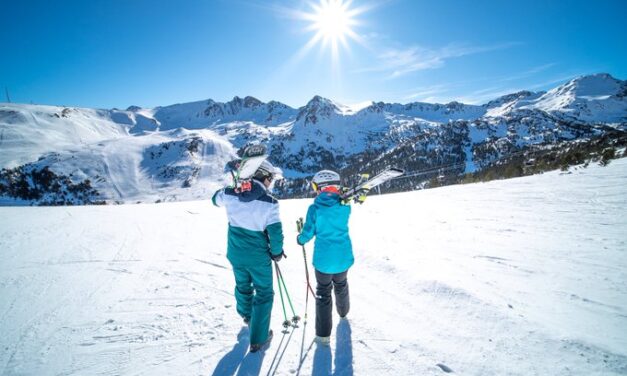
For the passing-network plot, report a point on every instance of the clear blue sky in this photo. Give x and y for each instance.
(114, 53)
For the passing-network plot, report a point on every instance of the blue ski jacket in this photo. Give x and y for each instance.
(327, 220)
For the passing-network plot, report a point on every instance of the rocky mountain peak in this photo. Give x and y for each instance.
(317, 108)
(455, 106)
(376, 107)
(251, 102)
(321, 102)
(510, 98)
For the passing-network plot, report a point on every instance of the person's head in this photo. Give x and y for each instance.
(266, 173)
(326, 180)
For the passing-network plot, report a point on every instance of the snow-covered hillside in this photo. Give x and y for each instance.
(113, 152)
(29, 131)
(597, 98)
(524, 276)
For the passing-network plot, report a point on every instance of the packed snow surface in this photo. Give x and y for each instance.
(519, 277)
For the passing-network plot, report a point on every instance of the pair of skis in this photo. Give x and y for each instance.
(243, 169)
(366, 184)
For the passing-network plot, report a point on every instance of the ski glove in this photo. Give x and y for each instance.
(299, 225)
(298, 240)
(361, 196)
(278, 257)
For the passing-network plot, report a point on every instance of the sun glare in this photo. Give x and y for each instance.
(331, 20)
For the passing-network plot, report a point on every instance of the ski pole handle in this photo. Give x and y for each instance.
(299, 224)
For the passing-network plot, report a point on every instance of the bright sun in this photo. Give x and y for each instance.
(332, 21)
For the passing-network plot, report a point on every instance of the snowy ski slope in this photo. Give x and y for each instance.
(517, 277)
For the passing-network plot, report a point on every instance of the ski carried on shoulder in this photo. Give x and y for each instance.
(365, 186)
(243, 169)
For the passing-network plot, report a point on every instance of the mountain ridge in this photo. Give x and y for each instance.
(320, 134)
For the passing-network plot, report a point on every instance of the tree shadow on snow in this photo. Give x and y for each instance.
(231, 361)
(343, 354)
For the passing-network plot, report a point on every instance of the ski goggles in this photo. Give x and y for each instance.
(317, 187)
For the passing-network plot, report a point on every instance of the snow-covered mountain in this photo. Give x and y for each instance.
(177, 152)
(597, 98)
(207, 113)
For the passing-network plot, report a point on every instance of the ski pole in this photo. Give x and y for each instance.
(295, 317)
(299, 227)
(286, 322)
(309, 288)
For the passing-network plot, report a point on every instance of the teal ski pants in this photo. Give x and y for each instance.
(254, 296)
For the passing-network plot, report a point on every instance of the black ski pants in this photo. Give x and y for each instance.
(324, 303)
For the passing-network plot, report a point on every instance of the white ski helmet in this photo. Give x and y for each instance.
(267, 170)
(325, 178)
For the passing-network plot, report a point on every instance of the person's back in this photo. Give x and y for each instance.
(255, 238)
(327, 220)
(254, 224)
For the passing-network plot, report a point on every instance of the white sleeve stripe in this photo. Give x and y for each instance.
(253, 215)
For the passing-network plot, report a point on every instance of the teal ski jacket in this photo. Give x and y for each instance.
(327, 220)
(255, 229)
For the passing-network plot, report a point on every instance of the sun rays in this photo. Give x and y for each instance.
(332, 22)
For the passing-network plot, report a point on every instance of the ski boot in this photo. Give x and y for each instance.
(324, 341)
(254, 347)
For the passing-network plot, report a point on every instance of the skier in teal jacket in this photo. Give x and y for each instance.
(255, 238)
(327, 220)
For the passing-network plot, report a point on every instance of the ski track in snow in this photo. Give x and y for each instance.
(524, 277)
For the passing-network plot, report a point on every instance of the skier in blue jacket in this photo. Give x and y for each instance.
(255, 238)
(327, 220)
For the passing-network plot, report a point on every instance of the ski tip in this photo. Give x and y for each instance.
(254, 151)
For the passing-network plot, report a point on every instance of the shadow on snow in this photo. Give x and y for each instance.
(343, 354)
(239, 361)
